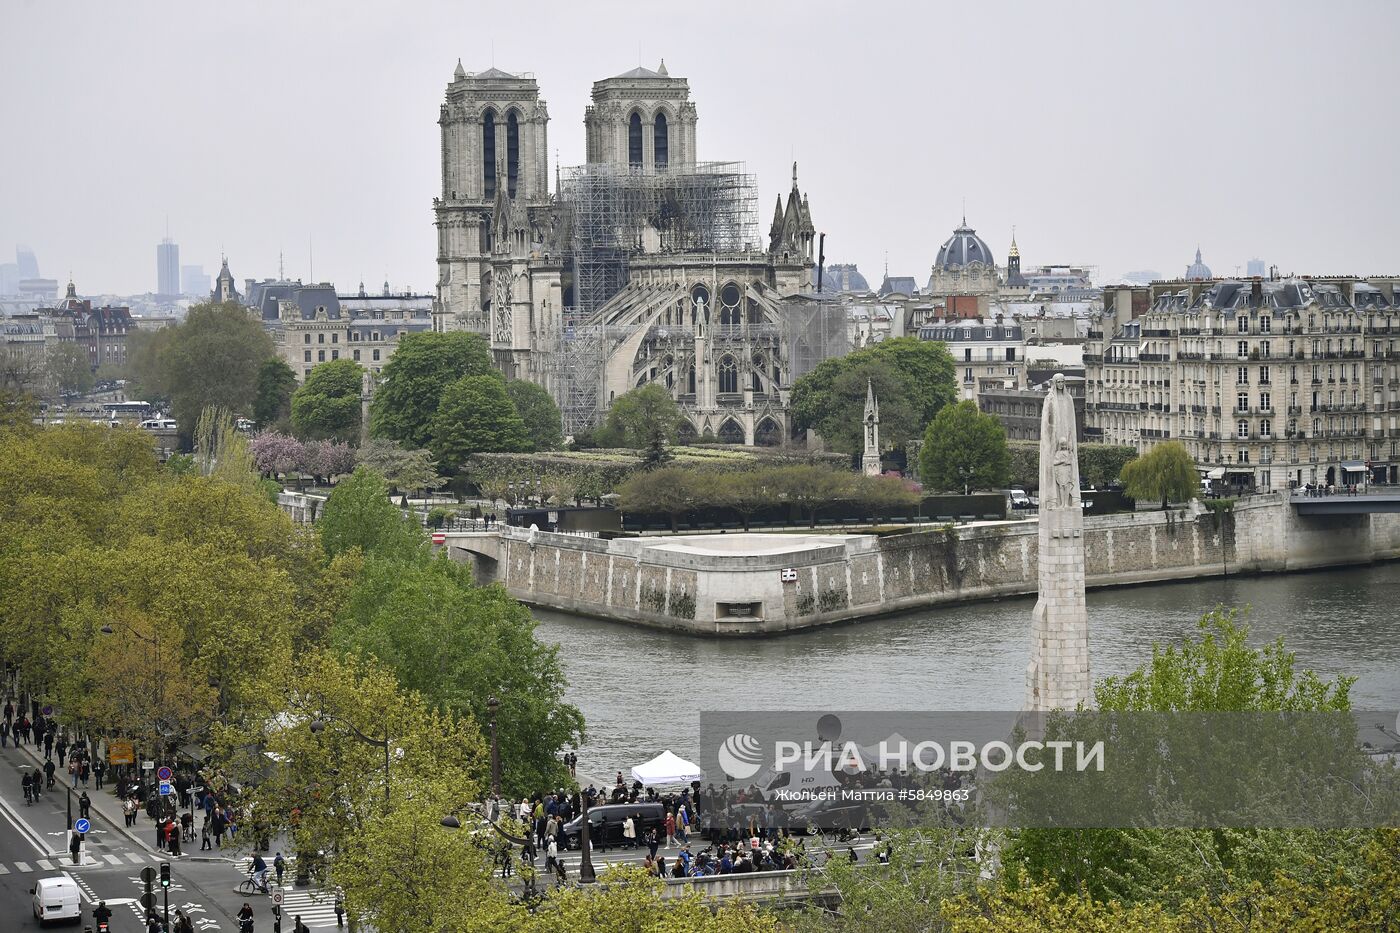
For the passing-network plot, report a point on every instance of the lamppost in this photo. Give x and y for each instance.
(492, 705)
(318, 726)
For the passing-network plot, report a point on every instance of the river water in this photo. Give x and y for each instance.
(641, 690)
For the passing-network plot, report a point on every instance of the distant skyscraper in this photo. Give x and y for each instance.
(167, 269)
(194, 281)
(28, 265)
(1255, 267)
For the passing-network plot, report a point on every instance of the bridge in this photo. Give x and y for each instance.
(1366, 502)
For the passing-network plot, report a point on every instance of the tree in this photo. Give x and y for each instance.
(926, 371)
(643, 419)
(404, 469)
(475, 416)
(1101, 464)
(669, 491)
(1215, 671)
(21, 369)
(212, 358)
(144, 349)
(458, 644)
(811, 487)
(538, 411)
(359, 514)
(68, 368)
(1166, 472)
(272, 404)
(745, 492)
(412, 382)
(328, 404)
(964, 449)
(842, 425)
(884, 494)
(275, 453)
(326, 459)
(221, 450)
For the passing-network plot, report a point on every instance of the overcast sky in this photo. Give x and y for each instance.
(1113, 134)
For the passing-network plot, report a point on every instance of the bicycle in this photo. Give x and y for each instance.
(250, 885)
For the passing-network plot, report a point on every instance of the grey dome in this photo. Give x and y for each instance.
(963, 248)
(1198, 269)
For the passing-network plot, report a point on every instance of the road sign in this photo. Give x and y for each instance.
(148, 765)
(48, 710)
(277, 898)
(164, 773)
(148, 874)
(439, 538)
(121, 753)
(148, 900)
(166, 789)
(787, 575)
(81, 827)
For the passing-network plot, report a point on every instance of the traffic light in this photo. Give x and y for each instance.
(165, 874)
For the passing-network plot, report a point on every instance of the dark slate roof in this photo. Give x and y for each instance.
(270, 294)
(639, 72)
(311, 297)
(963, 248)
(975, 331)
(898, 285)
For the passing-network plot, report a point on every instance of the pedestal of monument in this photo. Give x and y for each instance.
(1058, 675)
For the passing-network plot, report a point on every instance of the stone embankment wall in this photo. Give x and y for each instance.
(859, 576)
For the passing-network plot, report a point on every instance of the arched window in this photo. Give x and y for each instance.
(730, 432)
(700, 305)
(488, 152)
(757, 373)
(634, 139)
(767, 434)
(729, 299)
(661, 142)
(690, 380)
(728, 375)
(512, 152)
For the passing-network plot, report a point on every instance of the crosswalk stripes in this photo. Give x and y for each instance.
(135, 859)
(45, 864)
(316, 908)
(111, 859)
(23, 866)
(3, 869)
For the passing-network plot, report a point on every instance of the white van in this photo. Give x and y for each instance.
(56, 900)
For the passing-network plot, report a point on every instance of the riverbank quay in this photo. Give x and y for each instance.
(758, 584)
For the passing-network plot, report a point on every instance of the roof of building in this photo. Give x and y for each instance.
(493, 72)
(963, 248)
(898, 285)
(645, 73)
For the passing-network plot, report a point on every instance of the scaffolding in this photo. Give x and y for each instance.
(814, 327)
(617, 212)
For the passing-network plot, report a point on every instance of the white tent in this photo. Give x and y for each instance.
(667, 768)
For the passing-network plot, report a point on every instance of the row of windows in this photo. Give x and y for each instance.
(355, 337)
(335, 355)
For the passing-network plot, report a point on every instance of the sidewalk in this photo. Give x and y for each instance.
(106, 807)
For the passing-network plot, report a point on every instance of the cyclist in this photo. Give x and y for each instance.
(28, 782)
(102, 917)
(245, 919)
(259, 872)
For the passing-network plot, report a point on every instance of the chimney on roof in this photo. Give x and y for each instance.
(1256, 291)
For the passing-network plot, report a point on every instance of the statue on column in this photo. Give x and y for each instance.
(1059, 449)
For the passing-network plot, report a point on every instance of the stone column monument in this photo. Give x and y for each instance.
(870, 460)
(366, 395)
(1058, 675)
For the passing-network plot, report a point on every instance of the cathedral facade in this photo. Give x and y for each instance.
(643, 265)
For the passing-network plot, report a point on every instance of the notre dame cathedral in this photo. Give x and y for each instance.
(643, 265)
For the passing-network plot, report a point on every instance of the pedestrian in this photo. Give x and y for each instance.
(629, 832)
(339, 907)
(172, 837)
(48, 774)
(84, 805)
(653, 842)
(48, 745)
(75, 845)
(279, 865)
(670, 828)
(72, 771)
(187, 827)
(84, 769)
(299, 927)
(551, 853)
(160, 833)
(205, 844)
(683, 824)
(5, 734)
(129, 811)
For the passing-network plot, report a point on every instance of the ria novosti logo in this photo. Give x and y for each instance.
(740, 756)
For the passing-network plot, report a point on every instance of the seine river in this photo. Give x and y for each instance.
(641, 689)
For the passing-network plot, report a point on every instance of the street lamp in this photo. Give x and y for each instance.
(318, 725)
(493, 704)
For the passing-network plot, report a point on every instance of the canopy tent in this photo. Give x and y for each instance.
(1217, 473)
(667, 768)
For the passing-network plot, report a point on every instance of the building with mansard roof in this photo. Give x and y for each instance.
(1269, 383)
(643, 265)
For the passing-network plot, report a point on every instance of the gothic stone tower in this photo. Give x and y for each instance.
(642, 118)
(493, 135)
(870, 460)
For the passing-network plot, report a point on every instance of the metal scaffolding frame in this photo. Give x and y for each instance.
(617, 212)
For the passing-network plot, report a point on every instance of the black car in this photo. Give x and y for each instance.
(605, 823)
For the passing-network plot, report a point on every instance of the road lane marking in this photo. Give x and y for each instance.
(23, 866)
(111, 859)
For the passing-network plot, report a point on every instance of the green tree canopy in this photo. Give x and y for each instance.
(538, 411)
(670, 491)
(964, 449)
(212, 358)
(144, 349)
(928, 382)
(273, 403)
(327, 406)
(645, 418)
(843, 426)
(458, 644)
(359, 513)
(403, 468)
(68, 367)
(475, 416)
(1165, 473)
(810, 487)
(412, 382)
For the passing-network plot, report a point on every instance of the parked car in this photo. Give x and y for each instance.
(605, 823)
(1019, 499)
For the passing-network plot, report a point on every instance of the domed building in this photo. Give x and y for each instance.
(964, 266)
(1198, 270)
